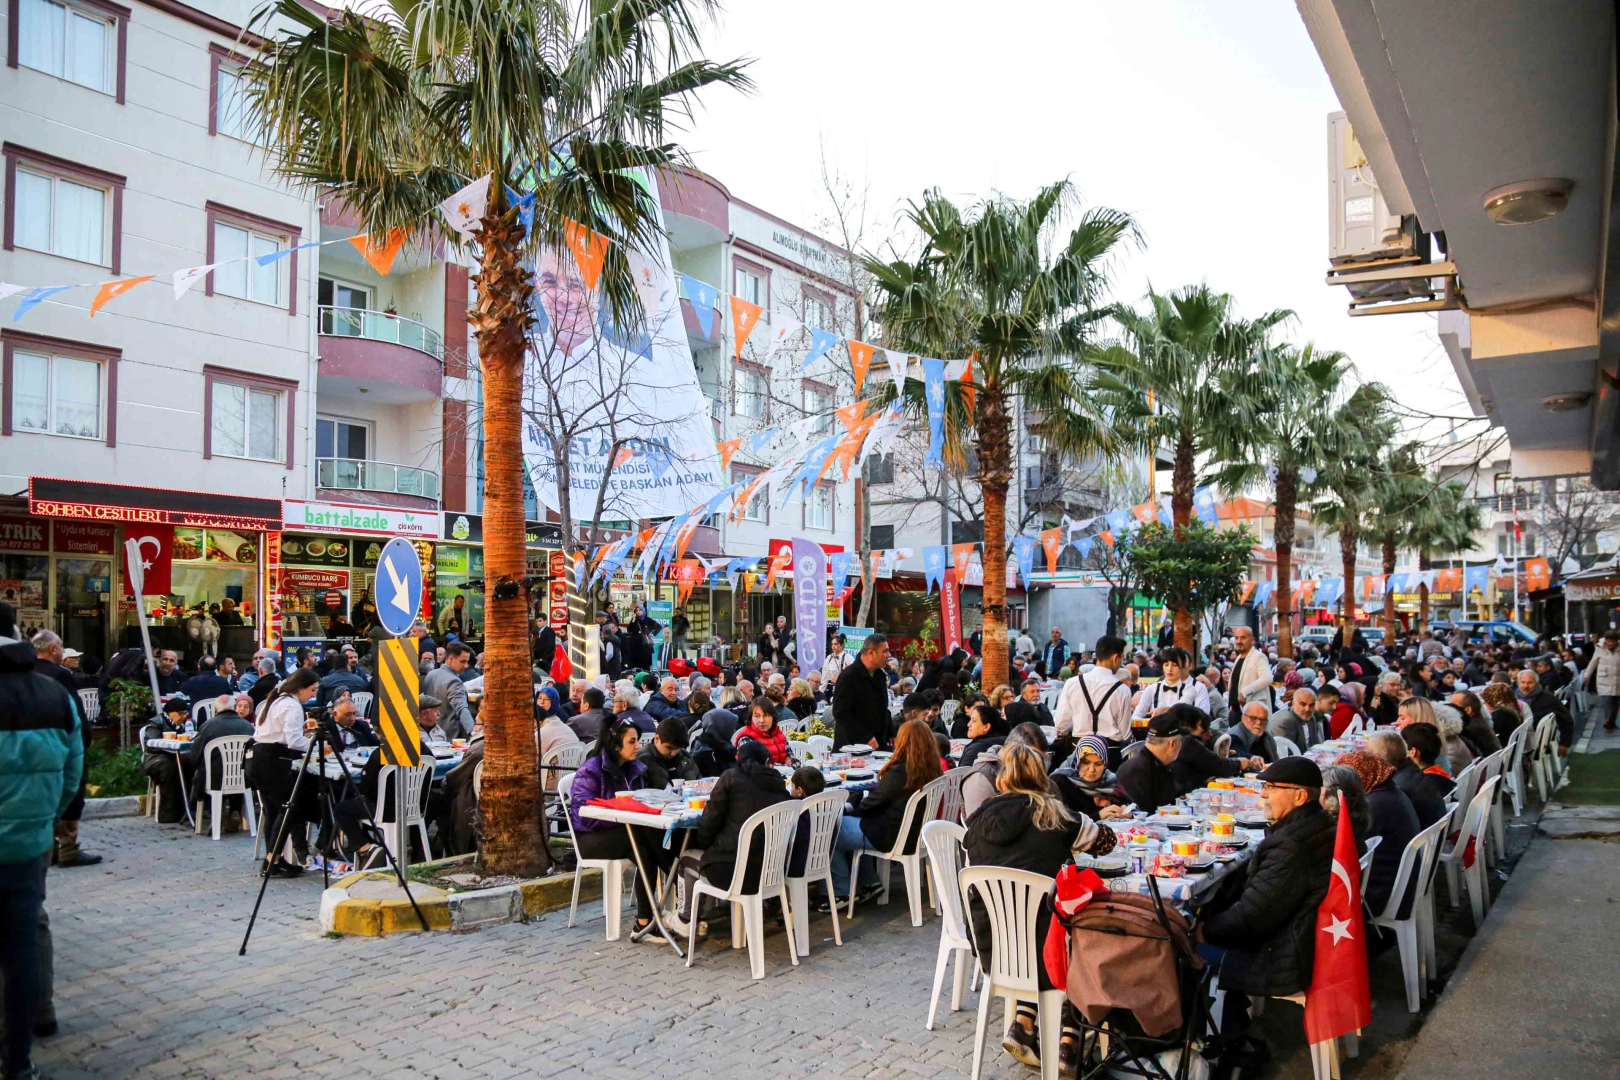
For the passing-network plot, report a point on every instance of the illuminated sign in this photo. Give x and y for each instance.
(89, 501)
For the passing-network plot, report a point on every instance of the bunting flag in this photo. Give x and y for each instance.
(820, 342)
(860, 357)
(1144, 513)
(8, 290)
(759, 440)
(1024, 549)
(1401, 583)
(970, 391)
(727, 449)
(1262, 593)
(1107, 537)
(1425, 578)
(877, 562)
(781, 562)
(1537, 574)
(1245, 591)
(851, 415)
(1328, 591)
(934, 391)
(185, 279)
(784, 329)
(115, 288)
(1476, 577)
(463, 211)
(281, 253)
(748, 582)
(36, 297)
(579, 571)
(1167, 517)
(838, 567)
(1083, 545)
(848, 449)
(1307, 589)
(1372, 586)
(1501, 565)
(702, 296)
(934, 567)
(642, 538)
(1204, 505)
(744, 317)
(1119, 523)
(589, 249)
(652, 283)
(1448, 580)
(683, 537)
(889, 427)
(380, 256)
(1052, 544)
(961, 559)
(897, 367)
(734, 569)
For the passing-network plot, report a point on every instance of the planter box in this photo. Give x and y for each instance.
(370, 904)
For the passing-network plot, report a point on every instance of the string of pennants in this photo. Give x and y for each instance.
(1370, 588)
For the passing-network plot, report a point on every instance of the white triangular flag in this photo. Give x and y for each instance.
(185, 279)
(8, 289)
(897, 365)
(955, 369)
(779, 334)
(465, 209)
(800, 429)
(652, 282)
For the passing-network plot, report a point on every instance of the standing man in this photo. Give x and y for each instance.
(1251, 677)
(1097, 702)
(1025, 645)
(860, 706)
(679, 627)
(41, 765)
(48, 649)
(453, 619)
(444, 683)
(1056, 653)
(837, 660)
(1602, 677)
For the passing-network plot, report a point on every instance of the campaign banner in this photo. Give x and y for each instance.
(810, 602)
(950, 610)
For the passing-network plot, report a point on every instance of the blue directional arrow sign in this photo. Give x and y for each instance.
(399, 586)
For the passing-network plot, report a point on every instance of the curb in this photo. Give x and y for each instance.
(123, 806)
(458, 912)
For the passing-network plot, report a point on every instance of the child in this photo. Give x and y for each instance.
(805, 782)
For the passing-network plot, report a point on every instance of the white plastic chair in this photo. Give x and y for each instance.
(1546, 762)
(232, 780)
(1012, 899)
(748, 908)
(203, 711)
(612, 869)
(820, 745)
(943, 842)
(947, 711)
(799, 750)
(415, 781)
(647, 738)
(1496, 835)
(478, 779)
(1367, 860)
(90, 701)
(950, 804)
(825, 810)
(925, 802)
(1463, 868)
(1286, 747)
(1139, 745)
(1355, 727)
(1417, 863)
(362, 701)
(1513, 773)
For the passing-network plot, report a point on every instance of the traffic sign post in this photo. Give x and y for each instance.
(398, 587)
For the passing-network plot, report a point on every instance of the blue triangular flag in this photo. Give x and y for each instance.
(934, 567)
(702, 296)
(820, 342)
(35, 297)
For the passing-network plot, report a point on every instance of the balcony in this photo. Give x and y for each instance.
(381, 482)
(394, 360)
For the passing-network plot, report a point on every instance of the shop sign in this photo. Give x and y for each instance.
(314, 549)
(20, 532)
(83, 538)
(93, 501)
(559, 564)
(1592, 590)
(450, 559)
(313, 581)
(950, 609)
(469, 529)
(358, 520)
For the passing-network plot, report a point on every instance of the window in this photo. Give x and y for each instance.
(880, 469)
(818, 507)
(818, 311)
(1504, 543)
(233, 113)
(752, 392)
(246, 278)
(757, 509)
(55, 395)
(341, 438)
(880, 537)
(245, 421)
(818, 402)
(749, 285)
(61, 216)
(79, 43)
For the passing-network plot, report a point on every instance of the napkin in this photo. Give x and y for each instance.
(621, 802)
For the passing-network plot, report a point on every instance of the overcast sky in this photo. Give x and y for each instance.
(1207, 121)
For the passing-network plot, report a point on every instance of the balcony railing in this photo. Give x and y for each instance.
(353, 474)
(381, 326)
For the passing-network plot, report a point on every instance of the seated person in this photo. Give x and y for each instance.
(806, 781)
(1145, 776)
(1250, 738)
(627, 707)
(666, 757)
(161, 766)
(1423, 746)
(1392, 747)
(590, 720)
(436, 742)
(353, 729)
(1262, 941)
(1293, 720)
(763, 728)
(1086, 784)
(980, 785)
(1393, 819)
(554, 730)
(458, 801)
(711, 744)
(237, 720)
(667, 701)
(1197, 764)
(207, 684)
(355, 809)
(1029, 708)
(738, 795)
(981, 733)
(874, 821)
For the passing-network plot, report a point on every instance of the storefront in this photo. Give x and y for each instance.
(1592, 602)
(321, 569)
(60, 555)
(458, 572)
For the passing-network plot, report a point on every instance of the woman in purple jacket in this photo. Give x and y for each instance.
(612, 768)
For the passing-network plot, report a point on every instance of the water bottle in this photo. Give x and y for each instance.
(191, 727)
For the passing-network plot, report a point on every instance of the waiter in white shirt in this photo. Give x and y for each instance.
(1251, 676)
(1097, 702)
(1176, 687)
(832, 667)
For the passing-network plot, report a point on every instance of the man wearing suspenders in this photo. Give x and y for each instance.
(1097, 702)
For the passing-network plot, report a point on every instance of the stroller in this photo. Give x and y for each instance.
(1136, 987)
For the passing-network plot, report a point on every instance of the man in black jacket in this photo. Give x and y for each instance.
(344, 678)
(666, 757)
(222, 723)
(1264, 941)
(48, 647)
(1146, 775)
(207, 684)
(1540, 702)
(1029, 708)
(1197, 764)
(1408, 777)
(860, 705)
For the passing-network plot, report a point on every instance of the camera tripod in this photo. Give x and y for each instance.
(317, 750)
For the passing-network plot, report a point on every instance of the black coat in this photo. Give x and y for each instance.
(736, 797)
(1426, 802)
(1196, 765)
(1394, 819)
(1271, 927)
(1023, 712)
(1147, 783)
(1000, 833)
(883, 808)
(972, 750)
(1504, 722)
(860, 707)
(661, 770)
(1246, 745)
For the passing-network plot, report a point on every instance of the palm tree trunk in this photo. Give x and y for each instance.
(1424, 562)
(1389, 594)
(1181, 500)
(1349, 537)
(995, 476)
(1282, 529)
(509, 800)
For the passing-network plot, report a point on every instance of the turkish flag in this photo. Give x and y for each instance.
(562, 668)
(1339, 1000)
(155, 545)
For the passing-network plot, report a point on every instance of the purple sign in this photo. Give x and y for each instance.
(810, 602)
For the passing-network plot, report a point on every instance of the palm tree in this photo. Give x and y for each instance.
(1305, 407)
(1443, 524)
(1401, 487)
(1345, 489)
(396, 111)
(1187, 375)
(999, 281)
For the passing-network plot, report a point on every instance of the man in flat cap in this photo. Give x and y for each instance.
(1146, 775)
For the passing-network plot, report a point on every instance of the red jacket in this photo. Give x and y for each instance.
(1343, 713)
(775, 742)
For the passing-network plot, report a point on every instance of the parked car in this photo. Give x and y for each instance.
(1498, 631)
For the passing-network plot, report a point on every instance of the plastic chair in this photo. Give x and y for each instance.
(1496, 836)
(943, 842)
(232, 780)
(647, 738)
(799, 751)
(1286, 747)
(1414, 873)
(1356, 726)
(950, 804)
(416, 781)
(1464, 862)
(362, 701)
(820, 745)
(1367, 860)
(825, 810)
(925, 802)
(1012, 899)
(1138, 746)
(1513, 773)
(612, 869)
(90, 702)
(203, 711)
(947, 711)
(1546, 761)
(478, 779)
(748, 908)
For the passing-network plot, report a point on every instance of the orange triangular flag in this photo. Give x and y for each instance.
(110, 289)
(1107, 537)
(970, 392)
(625, 454)
(778, 564)
(748, 582)
(381, 257)
(962, 557)
(877, 561)
(1052, 544)
(744, 316)
(642, 538)
(850, 415)
(727, 450)
(860, 353)
(590, 251)
(684, 537)
(846, 449)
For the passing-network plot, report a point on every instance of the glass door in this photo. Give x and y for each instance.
(83, 596)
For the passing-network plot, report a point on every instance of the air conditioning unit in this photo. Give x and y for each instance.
(1374, 252)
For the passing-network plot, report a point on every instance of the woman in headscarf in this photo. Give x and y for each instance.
(1393, 819)
(711, 739)
(1351, 696)
(554, 730)
(1087, 785)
